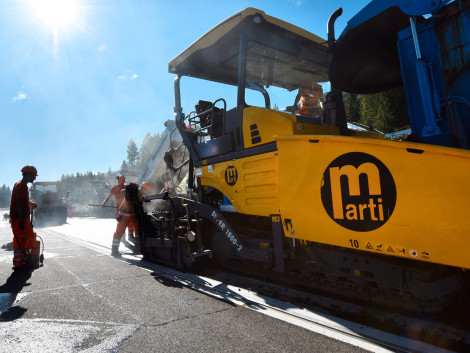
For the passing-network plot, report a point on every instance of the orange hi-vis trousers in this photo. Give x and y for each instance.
(131, 226)
(23, 241)
(126, 221)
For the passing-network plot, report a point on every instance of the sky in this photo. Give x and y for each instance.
(79, 78)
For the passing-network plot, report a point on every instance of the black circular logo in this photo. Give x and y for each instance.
(358, 192)
(231, 175)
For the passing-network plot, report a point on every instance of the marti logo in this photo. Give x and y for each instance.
(358, 192)
(231, 175)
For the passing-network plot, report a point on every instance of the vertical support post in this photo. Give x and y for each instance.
(425, 82)
(178, 109)
(335, 114)
(198, 231)
(414, 33)
(241, 72)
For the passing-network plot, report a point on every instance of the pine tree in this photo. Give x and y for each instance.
(369, 109)
(353, 107)
(144, 151)
(132, 153)
(5, 196)
(147, 147)
(385, 111)
(124, 165)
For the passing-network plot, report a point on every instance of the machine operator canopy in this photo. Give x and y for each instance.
(277, 53)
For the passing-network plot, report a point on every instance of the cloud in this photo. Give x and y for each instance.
(128, 76)
(21, 96)
(296, 2)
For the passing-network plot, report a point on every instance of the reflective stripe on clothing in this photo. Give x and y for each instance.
(21, 256)
(23, 241)
(124, 213)
(21, 251)
(20, 260)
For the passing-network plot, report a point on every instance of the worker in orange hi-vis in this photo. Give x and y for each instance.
(20, 210)
(132, 196)
(311, 99)
(116, 191)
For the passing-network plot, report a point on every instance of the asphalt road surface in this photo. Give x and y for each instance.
(83, 300)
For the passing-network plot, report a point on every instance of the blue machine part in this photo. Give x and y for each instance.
(227, 206)
(435, 74)
(408, 7)
(423, 79)
(453, 32)
(389, 44)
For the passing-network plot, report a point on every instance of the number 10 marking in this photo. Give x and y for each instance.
(354, 243)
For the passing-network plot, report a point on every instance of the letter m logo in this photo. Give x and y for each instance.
(352, 174)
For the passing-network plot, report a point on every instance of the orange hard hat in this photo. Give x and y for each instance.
(29, 169)
(147, 186)
(121, 179)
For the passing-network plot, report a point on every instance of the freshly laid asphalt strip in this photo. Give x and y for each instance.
(82, 300)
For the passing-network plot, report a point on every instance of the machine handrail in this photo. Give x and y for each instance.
(191, 119)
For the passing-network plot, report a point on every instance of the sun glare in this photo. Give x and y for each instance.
(56, 14)
(62, 19)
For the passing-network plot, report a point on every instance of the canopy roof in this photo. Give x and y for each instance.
(277, 53)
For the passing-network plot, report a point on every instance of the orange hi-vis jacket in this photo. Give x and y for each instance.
(23, 238)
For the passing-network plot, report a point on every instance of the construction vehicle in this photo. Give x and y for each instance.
(345, 211)
(51, 201)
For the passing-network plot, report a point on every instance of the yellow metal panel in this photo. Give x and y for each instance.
(254, 190)
(260, 125)
(429, 220)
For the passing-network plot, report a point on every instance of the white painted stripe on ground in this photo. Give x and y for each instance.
(338, 335)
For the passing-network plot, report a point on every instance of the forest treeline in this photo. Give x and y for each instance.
(385, 111)
(5, 196)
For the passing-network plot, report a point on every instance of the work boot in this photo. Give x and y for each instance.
(22, 268)
(114, 251)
